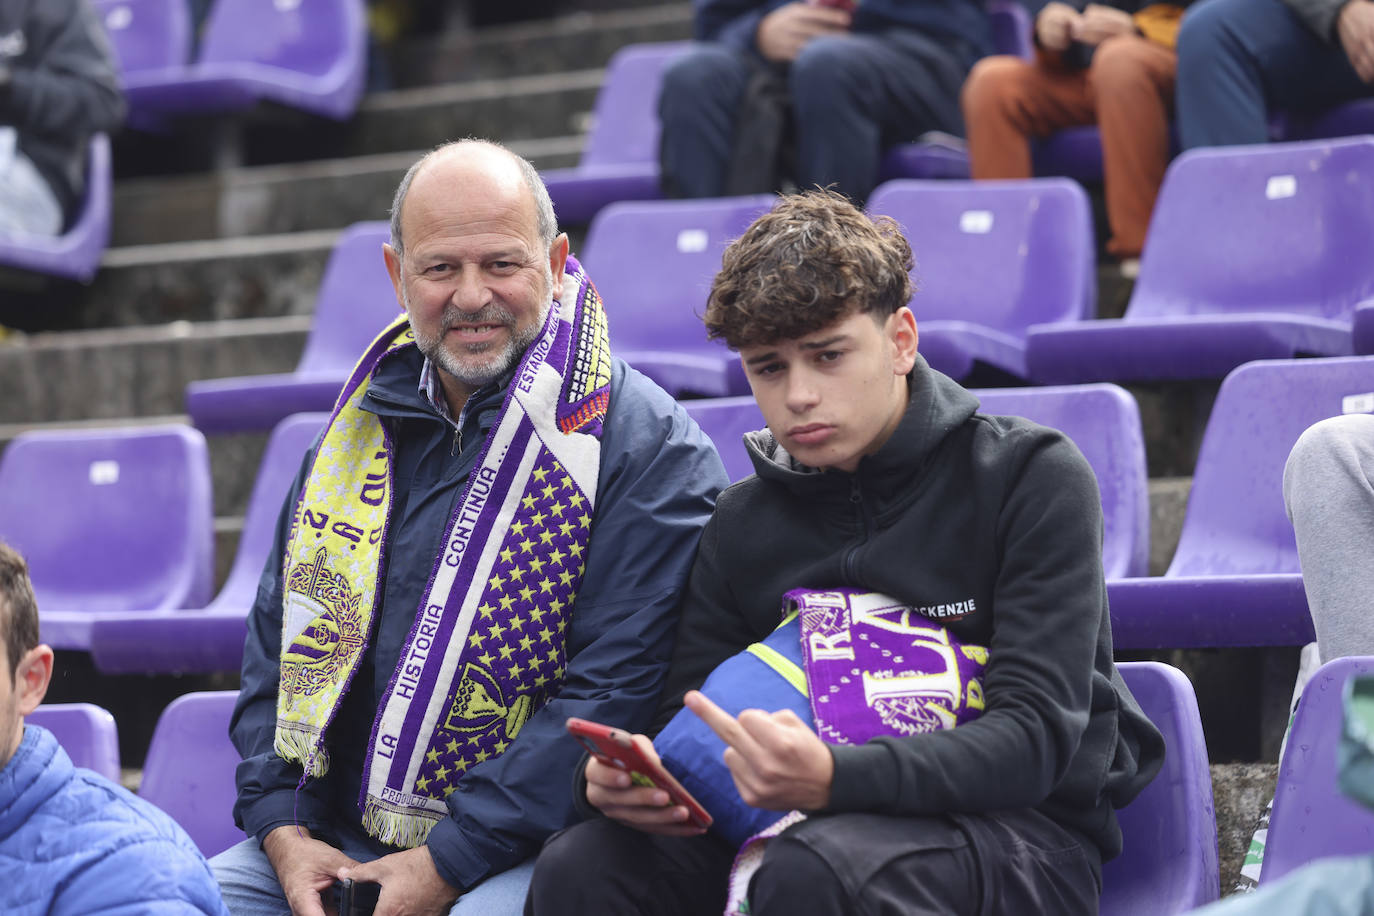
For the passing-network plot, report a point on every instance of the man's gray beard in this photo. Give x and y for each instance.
(475, 376)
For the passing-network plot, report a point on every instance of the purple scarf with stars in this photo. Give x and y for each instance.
(487, 648)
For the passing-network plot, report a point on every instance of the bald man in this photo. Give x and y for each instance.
(490, 536)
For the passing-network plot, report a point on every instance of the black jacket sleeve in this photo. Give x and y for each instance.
(65, 83)
(1320, 15)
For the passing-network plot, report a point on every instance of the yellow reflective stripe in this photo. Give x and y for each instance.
(787, 669)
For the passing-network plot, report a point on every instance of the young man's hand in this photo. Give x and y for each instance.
(1355, 27)
(1052, 26)
(1098, 23)
(777, 762)
(411, 885)
(784, 32)
(306, 867)
(645, 808)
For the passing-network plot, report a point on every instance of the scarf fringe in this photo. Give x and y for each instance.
(395, 828)
(298, 745)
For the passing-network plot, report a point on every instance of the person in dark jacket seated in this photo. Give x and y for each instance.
(854, 78)
(72, 841)
(978, 534)
(58, 85)
(493, 534)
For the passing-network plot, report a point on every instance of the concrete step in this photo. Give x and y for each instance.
(570, 42)
(273, 199)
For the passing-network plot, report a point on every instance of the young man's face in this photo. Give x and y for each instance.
(835, 395)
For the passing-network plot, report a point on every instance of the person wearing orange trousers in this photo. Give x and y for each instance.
(1109, 65)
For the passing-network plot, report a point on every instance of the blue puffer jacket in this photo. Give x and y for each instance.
(72, 842)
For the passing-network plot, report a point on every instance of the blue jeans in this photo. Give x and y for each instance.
(851, 96)
(250, 887)
(1239, 59)
(27, 204)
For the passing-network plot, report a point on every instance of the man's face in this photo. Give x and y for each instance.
(833, 396)
(475, 278)
(11, 724)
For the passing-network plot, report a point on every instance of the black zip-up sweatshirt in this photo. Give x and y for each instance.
(993, 526)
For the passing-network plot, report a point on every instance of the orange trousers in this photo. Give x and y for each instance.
(1128, 92)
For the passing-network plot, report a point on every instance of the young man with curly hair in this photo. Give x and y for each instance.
(877, 472)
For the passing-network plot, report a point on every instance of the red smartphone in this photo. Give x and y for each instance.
(613, 747)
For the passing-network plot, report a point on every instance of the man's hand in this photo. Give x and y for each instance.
(1098, 23)
(645, 808)
(1355, 27)
(784, 32)
(305, 867)
(777, 762)
(1052, 26)
(411, 885)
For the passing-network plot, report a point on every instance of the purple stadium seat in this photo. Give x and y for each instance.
(1168, 862)
(191, 640)
(109, 520)
(653, 262)
(1235, 579)
(189, 772)
(147, 35)
(1312, 818)
(86, 732)
(1104, 422)
(1254, 252)
(1364, 328)
(620, 160)
(1345, 120)
(992, 259)
(726, 420)
(75, 254)
(355, 302)
(305, 54)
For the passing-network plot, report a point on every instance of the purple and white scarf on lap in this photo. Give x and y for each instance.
(487, 647)
(873, 667)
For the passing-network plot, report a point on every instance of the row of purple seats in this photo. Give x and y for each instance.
(75, 254)
(305, 54)
(86, 732)
(1312, 819)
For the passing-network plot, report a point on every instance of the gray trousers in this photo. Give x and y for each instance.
(1328, 488)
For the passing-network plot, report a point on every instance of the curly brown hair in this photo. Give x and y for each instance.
(811, 261)
(18, 609)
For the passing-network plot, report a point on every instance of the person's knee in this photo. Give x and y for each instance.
(706, 75)
(996, 83)
(1333, 449)
(827, 73)
(1121, 63)
(1205, 30)
(792, 873)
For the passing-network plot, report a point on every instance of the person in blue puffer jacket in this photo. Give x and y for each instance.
(71, 841)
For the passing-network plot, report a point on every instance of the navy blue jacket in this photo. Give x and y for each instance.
(74, 843)
(734, 22)
(658, 481)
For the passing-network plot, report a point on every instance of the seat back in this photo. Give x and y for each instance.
(147, 34)
(189, 771)
(355, 301)
(725, 421)
(1168, 862)
(1011, 26)
(1104, 422)
(1236, 522)
(312, 37)
(76, 253)
(1311, 817)
(1004, 254)
(1284, 227)
(111, 520)
(653, 263)
(86, 732)
(625, 125)
(280, 462)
